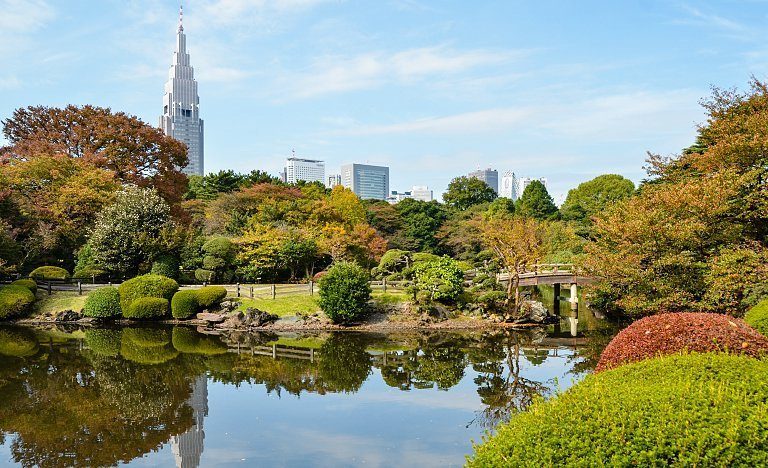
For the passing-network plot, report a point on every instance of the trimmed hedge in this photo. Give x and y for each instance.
(681, 410)
(677, 332)
(27, 283)
(188, 341)
(345, 292)
(15, 301)
(209, 296)
(104, 341)
(146, 286)
(184, 304)
(103, 303)
(50, 273)
(147, 308)
(757, 317)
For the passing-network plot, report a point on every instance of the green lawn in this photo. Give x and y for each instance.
(58, 301)
(391, 296)
(283, 306)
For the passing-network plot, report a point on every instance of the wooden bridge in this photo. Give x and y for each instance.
(549, 274)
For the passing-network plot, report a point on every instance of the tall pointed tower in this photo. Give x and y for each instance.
(181, 105)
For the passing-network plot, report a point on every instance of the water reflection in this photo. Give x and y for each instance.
(99, 397)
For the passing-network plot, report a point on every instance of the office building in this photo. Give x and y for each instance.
(368, 182)
(333, 180)
(181, 105)
(421, 192)
(509, 186)
(308, 170)
(489, 176)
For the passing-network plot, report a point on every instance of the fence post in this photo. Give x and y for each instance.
(274, 292)
(49, 288)
(311, 288)
(79, 288)
(93, 279)
(205, 283)
(251, 291)
(238, 289)
(384, 285)
(110, 284)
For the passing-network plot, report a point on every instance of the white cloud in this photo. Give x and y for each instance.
(9, 82)
(20, 16)
(332, 74)
(227, 13)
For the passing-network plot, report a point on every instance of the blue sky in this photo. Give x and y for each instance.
(433, 89)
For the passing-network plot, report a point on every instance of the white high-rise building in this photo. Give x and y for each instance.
(308, 170)
(333, 180)
(421, 192)
(181, 105)
(509, 186)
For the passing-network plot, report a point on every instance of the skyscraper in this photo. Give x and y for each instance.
(308, 170)
(489, 176)
(509, 186)
(368, 182)
(181, 105)
(188, 447)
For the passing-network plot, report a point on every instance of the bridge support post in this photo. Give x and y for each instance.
(574, 296)
(556, 301)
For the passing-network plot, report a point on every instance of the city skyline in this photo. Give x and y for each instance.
(496, 84)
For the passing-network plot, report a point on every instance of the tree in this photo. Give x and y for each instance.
(535, 202)
(421, 221)
(464, 192)
(135, 152)
(594, 196)
(501, 207)
(518, 244)
(345, 292)
(128, 233)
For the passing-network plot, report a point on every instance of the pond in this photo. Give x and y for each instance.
(172, 395)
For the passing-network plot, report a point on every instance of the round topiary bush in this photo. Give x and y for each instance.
(147, 308)
(146, 286)
(148, 336)
(210, 296)
(15, 301)
(205, 276)
(103, 303)
(345, 292)
(147, 355)
(49, 273)
(677, 332)
(104, 341)
(188, 341)
(184, 304)
(27, 283)
(757, 317)
(681, 410)
(166, 265)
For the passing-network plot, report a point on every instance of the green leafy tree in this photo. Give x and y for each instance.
(421, 221)
(535, 202)
(502, 207)
(594, 196)
(464, 192)
(126, 235)
(345, 292)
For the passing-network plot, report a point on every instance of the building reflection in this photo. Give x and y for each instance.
(188, 447)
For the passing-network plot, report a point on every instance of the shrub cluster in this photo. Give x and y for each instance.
(147, 308)
(438, 280)
(166, 265)
(184, 304)
(27, 283)
(678, 332)
(156, 286)
(147, 345)
(103, 303)
(15, 301)
(757, 317)
(49, 273)
(345, 292)
(683, 410)
(209, 296)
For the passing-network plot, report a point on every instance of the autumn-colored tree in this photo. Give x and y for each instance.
(519, 244)
(135, 152)
(672, 246)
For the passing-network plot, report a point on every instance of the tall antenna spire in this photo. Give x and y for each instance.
(181, 17)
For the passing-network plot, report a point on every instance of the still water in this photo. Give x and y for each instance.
(168, 396)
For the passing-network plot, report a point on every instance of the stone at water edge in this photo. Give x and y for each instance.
(67, 316)
(534, 311)
(209, 317)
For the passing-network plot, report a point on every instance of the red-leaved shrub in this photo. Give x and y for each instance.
(682, 332)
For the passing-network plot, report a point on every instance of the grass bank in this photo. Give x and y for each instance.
(288, 305)
(58, 302)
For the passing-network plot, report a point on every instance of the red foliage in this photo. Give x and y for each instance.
(682, 332)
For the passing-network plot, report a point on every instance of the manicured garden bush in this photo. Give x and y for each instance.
(204, 276)
(681, 410)
(757, 317)
(147, 308)
(210, 296)
(345, 292)
(441, 279)
(677, 332)
(17, 342)
(103, 303)
(166, 265)
(27, 283)
(15, 301)
(104, 341)
(147, 355)
(188, 341)
(49, 273)
(146, 286)
(148, 337)
(185, 304)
